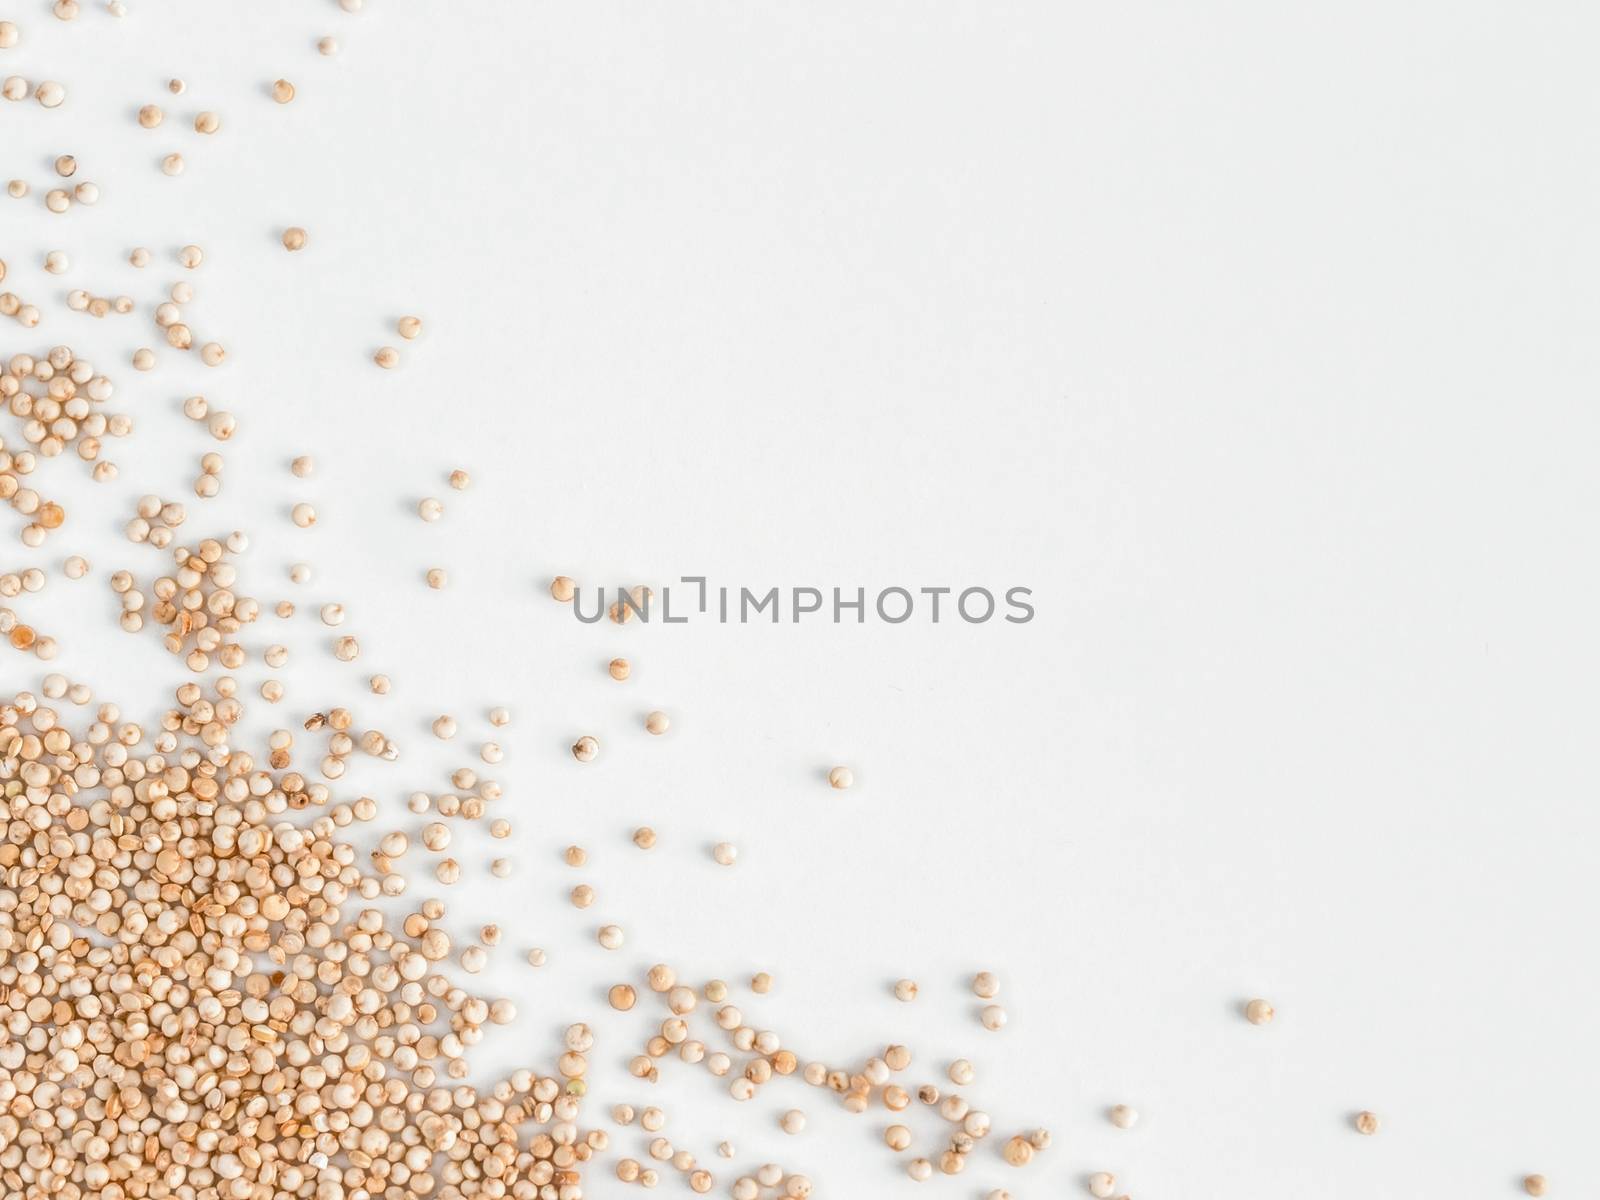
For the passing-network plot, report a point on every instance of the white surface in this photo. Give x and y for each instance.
(1257, 341)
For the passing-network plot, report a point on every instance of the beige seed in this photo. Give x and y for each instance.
(283, 91)
(1124, 1117)
(9, 35)
(793, 1121)
(430, 509)
(1102, 1184)
(207, 122)
(66, 165)
(172, 164)
(409, 327)
(303, 515)
(585, 749)
(328, 46)
(294, 238)
(437, 577)
(725, 853)
(841, 778)
(985, 985)
(610, 936)
(644, 837)
(993, 1017)
(151, 115)
(905, 990)
(657, 723)
(387, 358)
(621, 997)
(1259, 1012)
(563, 589)
(1535, 1185)
(1366, 1123)
(303, 466)
(50, 94)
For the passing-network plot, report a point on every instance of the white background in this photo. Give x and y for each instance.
(1258, 340)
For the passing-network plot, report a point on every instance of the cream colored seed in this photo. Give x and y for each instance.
(841, 778)
(575, 856)
(761, 983)
(387, 357)
(622, 997)
(500, 868)
(444, 727)
(409, 327)
(430, 509)
(1124, 1117)
(332, 614)
(9, 35)
(793, 1121)
(1366, 1123)
(460, 480)
(151, 115)
(620, 669)
(499, 717)
(66, 165)
(993, 1017)
(283, 91)
(537, 957)
(300, 573)
(725, 853)
(610, 936)
(328, 46)
(17, 188)
(1535, 1185)
(207, 122)
(437, 578)
(176, 86)
(581, 896)
(139, 256)
(191, 257)
(961, 1072)
(585, 749)
(294, 238)
(50, 94)
(905, 990)
(172, 164)
(920, 1169)
(657, 723)
(562, 588)
(303, 466)
(379, 684)
(303, 515)
(1259, 1012)
(212, 354)
(56, 262)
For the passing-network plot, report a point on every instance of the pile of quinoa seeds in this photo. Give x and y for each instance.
(226, 976)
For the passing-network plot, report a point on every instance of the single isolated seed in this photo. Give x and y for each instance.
(585, 749)
(621, 997)
(993, 1017)
(283, 91)
(207, 122)
(151, 115)
(328, 46)
(66, 165)
(409, 327)
(1259, 1012)
(841, 778)
(1535, 1185)
(294, 238)
(1366, 1123)
(430, 509)
(563, 589)
(725, 853)
(657, 723)
(172, 164)
(1124, 1117)
(437, 577)
(793, 1121)
(620, 669)
(1102, 1184)
(387, 358)
(905, 990)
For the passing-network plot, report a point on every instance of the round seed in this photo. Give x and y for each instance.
(1259, 1012)
(841, 778)
(1124, 1117)
(409, 327)
(905, 990)
(1102, 1184)
(725, 853)
(1366, 1123)
(657, 723)
(387, 358)
(585, 749)
(563, 589)
(294, 238)
(1535, 1185)
(283, 91)
(207, 122)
